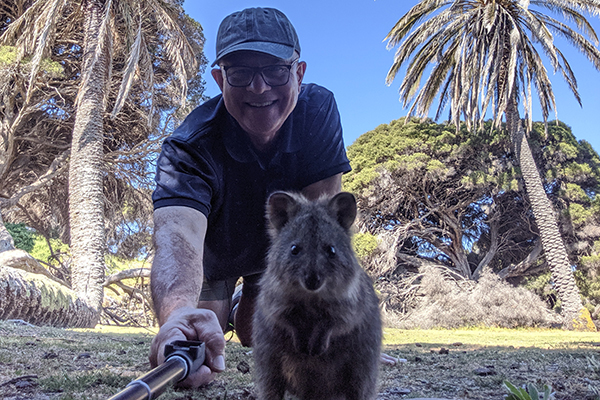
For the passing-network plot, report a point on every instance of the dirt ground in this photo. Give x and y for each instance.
(40, 363)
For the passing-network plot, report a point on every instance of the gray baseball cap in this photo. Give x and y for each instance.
(265, 30)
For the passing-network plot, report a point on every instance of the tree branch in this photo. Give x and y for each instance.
(127, 274)
(523, 266)
(57, 166)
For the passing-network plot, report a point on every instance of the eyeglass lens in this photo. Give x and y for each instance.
(273, 75)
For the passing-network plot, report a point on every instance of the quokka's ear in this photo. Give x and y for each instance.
(280, 208)
(343, 207)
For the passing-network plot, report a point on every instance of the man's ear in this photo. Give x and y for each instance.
(218, 77)
(300, 70)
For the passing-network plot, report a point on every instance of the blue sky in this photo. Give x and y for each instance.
(342, 43)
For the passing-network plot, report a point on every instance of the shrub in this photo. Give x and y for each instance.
(364, 244)
(41, 251)
(445, 302)
(531, 393)
(22, 235)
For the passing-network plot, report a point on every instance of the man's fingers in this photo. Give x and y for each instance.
(157, 348)
(387, 359)
(218, 363)
(211, 333)
(215, 353)
(193, 324)
(203, 376)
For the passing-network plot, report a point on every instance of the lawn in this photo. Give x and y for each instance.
(41, 363)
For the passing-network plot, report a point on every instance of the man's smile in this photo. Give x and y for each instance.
(262, 104)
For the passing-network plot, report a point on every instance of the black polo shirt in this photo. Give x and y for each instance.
(209, 164)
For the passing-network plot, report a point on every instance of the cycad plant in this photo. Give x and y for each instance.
(127, 38)
(531, 393)
(483, 55)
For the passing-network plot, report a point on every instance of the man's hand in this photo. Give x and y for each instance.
(192, 324)
(387, 359)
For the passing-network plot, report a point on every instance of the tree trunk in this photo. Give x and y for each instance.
(36, 299)
(6, 240)
(86, 201)
(575, 316)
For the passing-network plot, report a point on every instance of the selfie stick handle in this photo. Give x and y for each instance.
(182, 358)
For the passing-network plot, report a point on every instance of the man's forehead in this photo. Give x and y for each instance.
(250, 58)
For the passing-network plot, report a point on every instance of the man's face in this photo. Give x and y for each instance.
(260, 109)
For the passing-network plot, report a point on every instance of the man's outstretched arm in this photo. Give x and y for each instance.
(176, 282)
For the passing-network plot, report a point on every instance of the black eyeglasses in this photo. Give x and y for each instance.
(273, 75)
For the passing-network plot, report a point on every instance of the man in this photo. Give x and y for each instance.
(265, 132)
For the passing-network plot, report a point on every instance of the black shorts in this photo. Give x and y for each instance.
(223, 290)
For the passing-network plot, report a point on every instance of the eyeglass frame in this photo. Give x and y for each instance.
(259, 70)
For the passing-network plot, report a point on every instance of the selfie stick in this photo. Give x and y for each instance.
(181, 358)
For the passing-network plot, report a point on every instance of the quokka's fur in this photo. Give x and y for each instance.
(317, 326)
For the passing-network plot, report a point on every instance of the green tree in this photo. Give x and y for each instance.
(439, 197)
(434, 196)
(152, 48)
(483, 55)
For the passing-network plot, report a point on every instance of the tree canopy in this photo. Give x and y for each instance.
(435, 196)
(35, 136)
(485, 55)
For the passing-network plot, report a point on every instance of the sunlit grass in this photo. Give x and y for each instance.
(122, 330)
(541, 338)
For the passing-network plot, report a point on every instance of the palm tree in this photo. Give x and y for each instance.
(149, 34)
(483, 54)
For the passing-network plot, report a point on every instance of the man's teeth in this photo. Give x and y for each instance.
(265, 104)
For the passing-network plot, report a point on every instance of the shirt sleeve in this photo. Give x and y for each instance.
(183, 177)
(324, 153)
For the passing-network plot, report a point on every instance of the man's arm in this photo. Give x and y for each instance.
(328, 186)
(177, 271)
(176, 282)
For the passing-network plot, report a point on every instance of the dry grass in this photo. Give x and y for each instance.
(94, 364)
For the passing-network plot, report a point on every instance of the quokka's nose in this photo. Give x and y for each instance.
(313, 281)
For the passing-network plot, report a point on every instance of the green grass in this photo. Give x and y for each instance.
(96, 363)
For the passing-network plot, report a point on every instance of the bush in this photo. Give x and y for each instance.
(41, 251)
(444, 302)
(22, 235)
(364, 244)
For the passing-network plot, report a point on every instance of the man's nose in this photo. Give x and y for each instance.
(258, 84)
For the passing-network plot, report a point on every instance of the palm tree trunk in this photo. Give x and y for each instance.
(42, 301)
(86, 201)
(575, 316)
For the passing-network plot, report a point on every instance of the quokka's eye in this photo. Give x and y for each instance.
(295, 250)
(330, 251)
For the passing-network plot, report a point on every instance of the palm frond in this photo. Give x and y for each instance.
(410, 19)
(43, 42)
(129, 74)
(177, 48)
(32, 33)
(20, 33)
(148, 71)
(484, 55)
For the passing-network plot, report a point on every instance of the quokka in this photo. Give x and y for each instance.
(317, 325)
